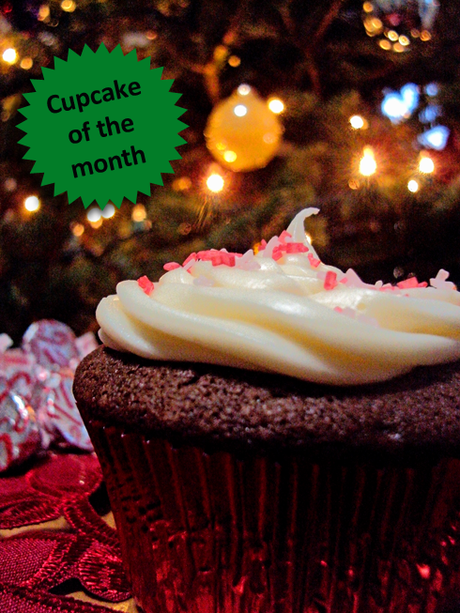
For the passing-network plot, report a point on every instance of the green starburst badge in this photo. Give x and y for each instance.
(102, 126)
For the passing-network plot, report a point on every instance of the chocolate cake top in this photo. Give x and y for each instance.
(226, 408)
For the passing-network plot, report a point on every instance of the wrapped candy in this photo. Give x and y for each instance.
(19, 430)
(37, 407)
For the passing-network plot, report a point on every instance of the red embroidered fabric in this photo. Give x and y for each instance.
(39, 568)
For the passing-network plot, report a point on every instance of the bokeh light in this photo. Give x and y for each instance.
(215, 183)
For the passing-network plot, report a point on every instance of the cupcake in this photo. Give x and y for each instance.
(277, 435)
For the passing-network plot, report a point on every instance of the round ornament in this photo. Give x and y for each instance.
(242, 133)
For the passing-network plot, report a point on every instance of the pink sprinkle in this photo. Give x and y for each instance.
(228, 259)
(277, 253)
(284, 236)
(171, 266)
(440, 281)
(218, 258)
(331, 280)
(410, 283)
(338, 309)
(272, 243)
(314, 262)
(145, 284)
(191, 257)
(388, 288)
(296, 248)
(263, 244)
(247, 261)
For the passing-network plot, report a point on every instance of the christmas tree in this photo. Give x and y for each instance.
(348, 106)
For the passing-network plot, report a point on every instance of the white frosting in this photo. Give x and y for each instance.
(275, 312)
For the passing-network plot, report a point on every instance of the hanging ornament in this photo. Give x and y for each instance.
(242, 133)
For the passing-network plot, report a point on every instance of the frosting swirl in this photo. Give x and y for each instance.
(284, 311)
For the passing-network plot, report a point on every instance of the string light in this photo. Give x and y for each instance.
(436, 138)
(78, 229)
(32, 204)
(276, 105)
(413, 186)
(139, 213)
(353, 184)
(215, 183)
(240, 110)
(230, 156)
(94, 215)
(234, 61)
(43, 12)
(182, 184)
(10, 184)
(426, 165)
(26, 63)
(385, 44)
(357, 122)
(10, 56)
(68, 5)
(392, 35)
(425, 35)
(243, 89)
(108, 211)
(367, 164)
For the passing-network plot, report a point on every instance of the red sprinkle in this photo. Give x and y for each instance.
(331, 280)
(410, 283)
(192, 256)
(277, 252)
(388, 288)
(296, 248)
(283, 236)
(313, 261)
(145, 284)
(171, 266)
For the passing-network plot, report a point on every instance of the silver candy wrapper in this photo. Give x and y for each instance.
(37, 407)
(19, 431)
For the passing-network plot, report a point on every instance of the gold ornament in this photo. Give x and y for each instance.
(242, 133)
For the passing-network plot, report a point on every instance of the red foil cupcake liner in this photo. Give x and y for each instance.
(215, 533)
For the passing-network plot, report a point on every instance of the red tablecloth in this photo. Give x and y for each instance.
(58, 545)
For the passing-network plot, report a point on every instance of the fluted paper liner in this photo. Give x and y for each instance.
(213, 533)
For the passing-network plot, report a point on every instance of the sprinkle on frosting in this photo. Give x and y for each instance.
(439, 282)
(411, 282)
(171, 266)
(314, 262)
(262, 245)
(145, 284)
(191, 258)
(285, 237)
(282, 310)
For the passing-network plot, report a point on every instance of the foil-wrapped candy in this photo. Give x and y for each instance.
(37, 407)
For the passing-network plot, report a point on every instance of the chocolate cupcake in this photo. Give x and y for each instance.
(277, 435)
